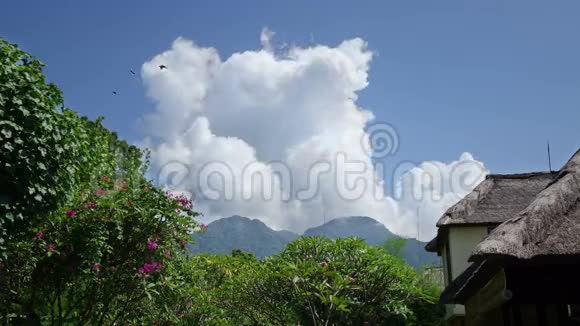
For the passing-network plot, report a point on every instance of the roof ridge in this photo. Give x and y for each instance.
(520, 175)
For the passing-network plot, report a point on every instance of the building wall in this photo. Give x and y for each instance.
(462, 241)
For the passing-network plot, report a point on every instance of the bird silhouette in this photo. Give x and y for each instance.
(131, 71)
(114, 93)
(162, 67)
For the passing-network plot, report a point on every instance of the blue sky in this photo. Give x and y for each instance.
(495, 78)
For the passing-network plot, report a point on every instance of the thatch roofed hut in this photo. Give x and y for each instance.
(549, 226)
(537, 251)
(495, 200)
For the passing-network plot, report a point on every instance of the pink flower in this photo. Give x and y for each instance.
(96, 267)
(70, 212)
(149, 268)
(203, 227)
(38, 236)
(91, 205)
(152, 245)
(323, 263)
(50, 248)
(167, 253)
(100, 191)
(122, 187)
(180, 314)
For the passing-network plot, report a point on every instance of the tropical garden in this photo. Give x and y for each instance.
(87, 239)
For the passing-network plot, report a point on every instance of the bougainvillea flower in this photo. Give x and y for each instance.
(152, 245)
(100, 191)
(323, 263)
(91, 205)
(167, 253)
(50, 248)
(96, 267)
(149, 268)
(38, 236)
(203, 227)
(70, 212)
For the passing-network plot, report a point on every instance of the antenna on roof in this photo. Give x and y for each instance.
(549, 157)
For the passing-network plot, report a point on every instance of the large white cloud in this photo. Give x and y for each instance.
(279, 136)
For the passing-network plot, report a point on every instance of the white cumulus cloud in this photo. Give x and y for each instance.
(280, 137)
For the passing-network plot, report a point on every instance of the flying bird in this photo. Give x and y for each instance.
(131, 71)
(114, 93)
(162, 67)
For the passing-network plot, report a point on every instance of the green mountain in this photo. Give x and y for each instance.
(374, 233)
(237, 232)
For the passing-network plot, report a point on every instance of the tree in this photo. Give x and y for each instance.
(394, 246)
(47, 152)
(318, 281)
(83, 235)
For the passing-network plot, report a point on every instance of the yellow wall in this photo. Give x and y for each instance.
(462, 241)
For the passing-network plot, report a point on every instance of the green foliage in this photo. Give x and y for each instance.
(47, 152)
(394, 246)
(83, 262)
(315, 281)
(345, 282)
(84, 238)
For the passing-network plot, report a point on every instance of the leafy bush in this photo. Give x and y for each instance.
(47, 152)
(83, 236)
(315, 281)
(345, 282)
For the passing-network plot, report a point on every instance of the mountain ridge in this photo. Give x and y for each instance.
(252, 235)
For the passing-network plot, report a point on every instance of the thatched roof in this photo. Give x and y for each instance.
(473, 277)
(549, 226)
(432, 245)
(496, 199)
